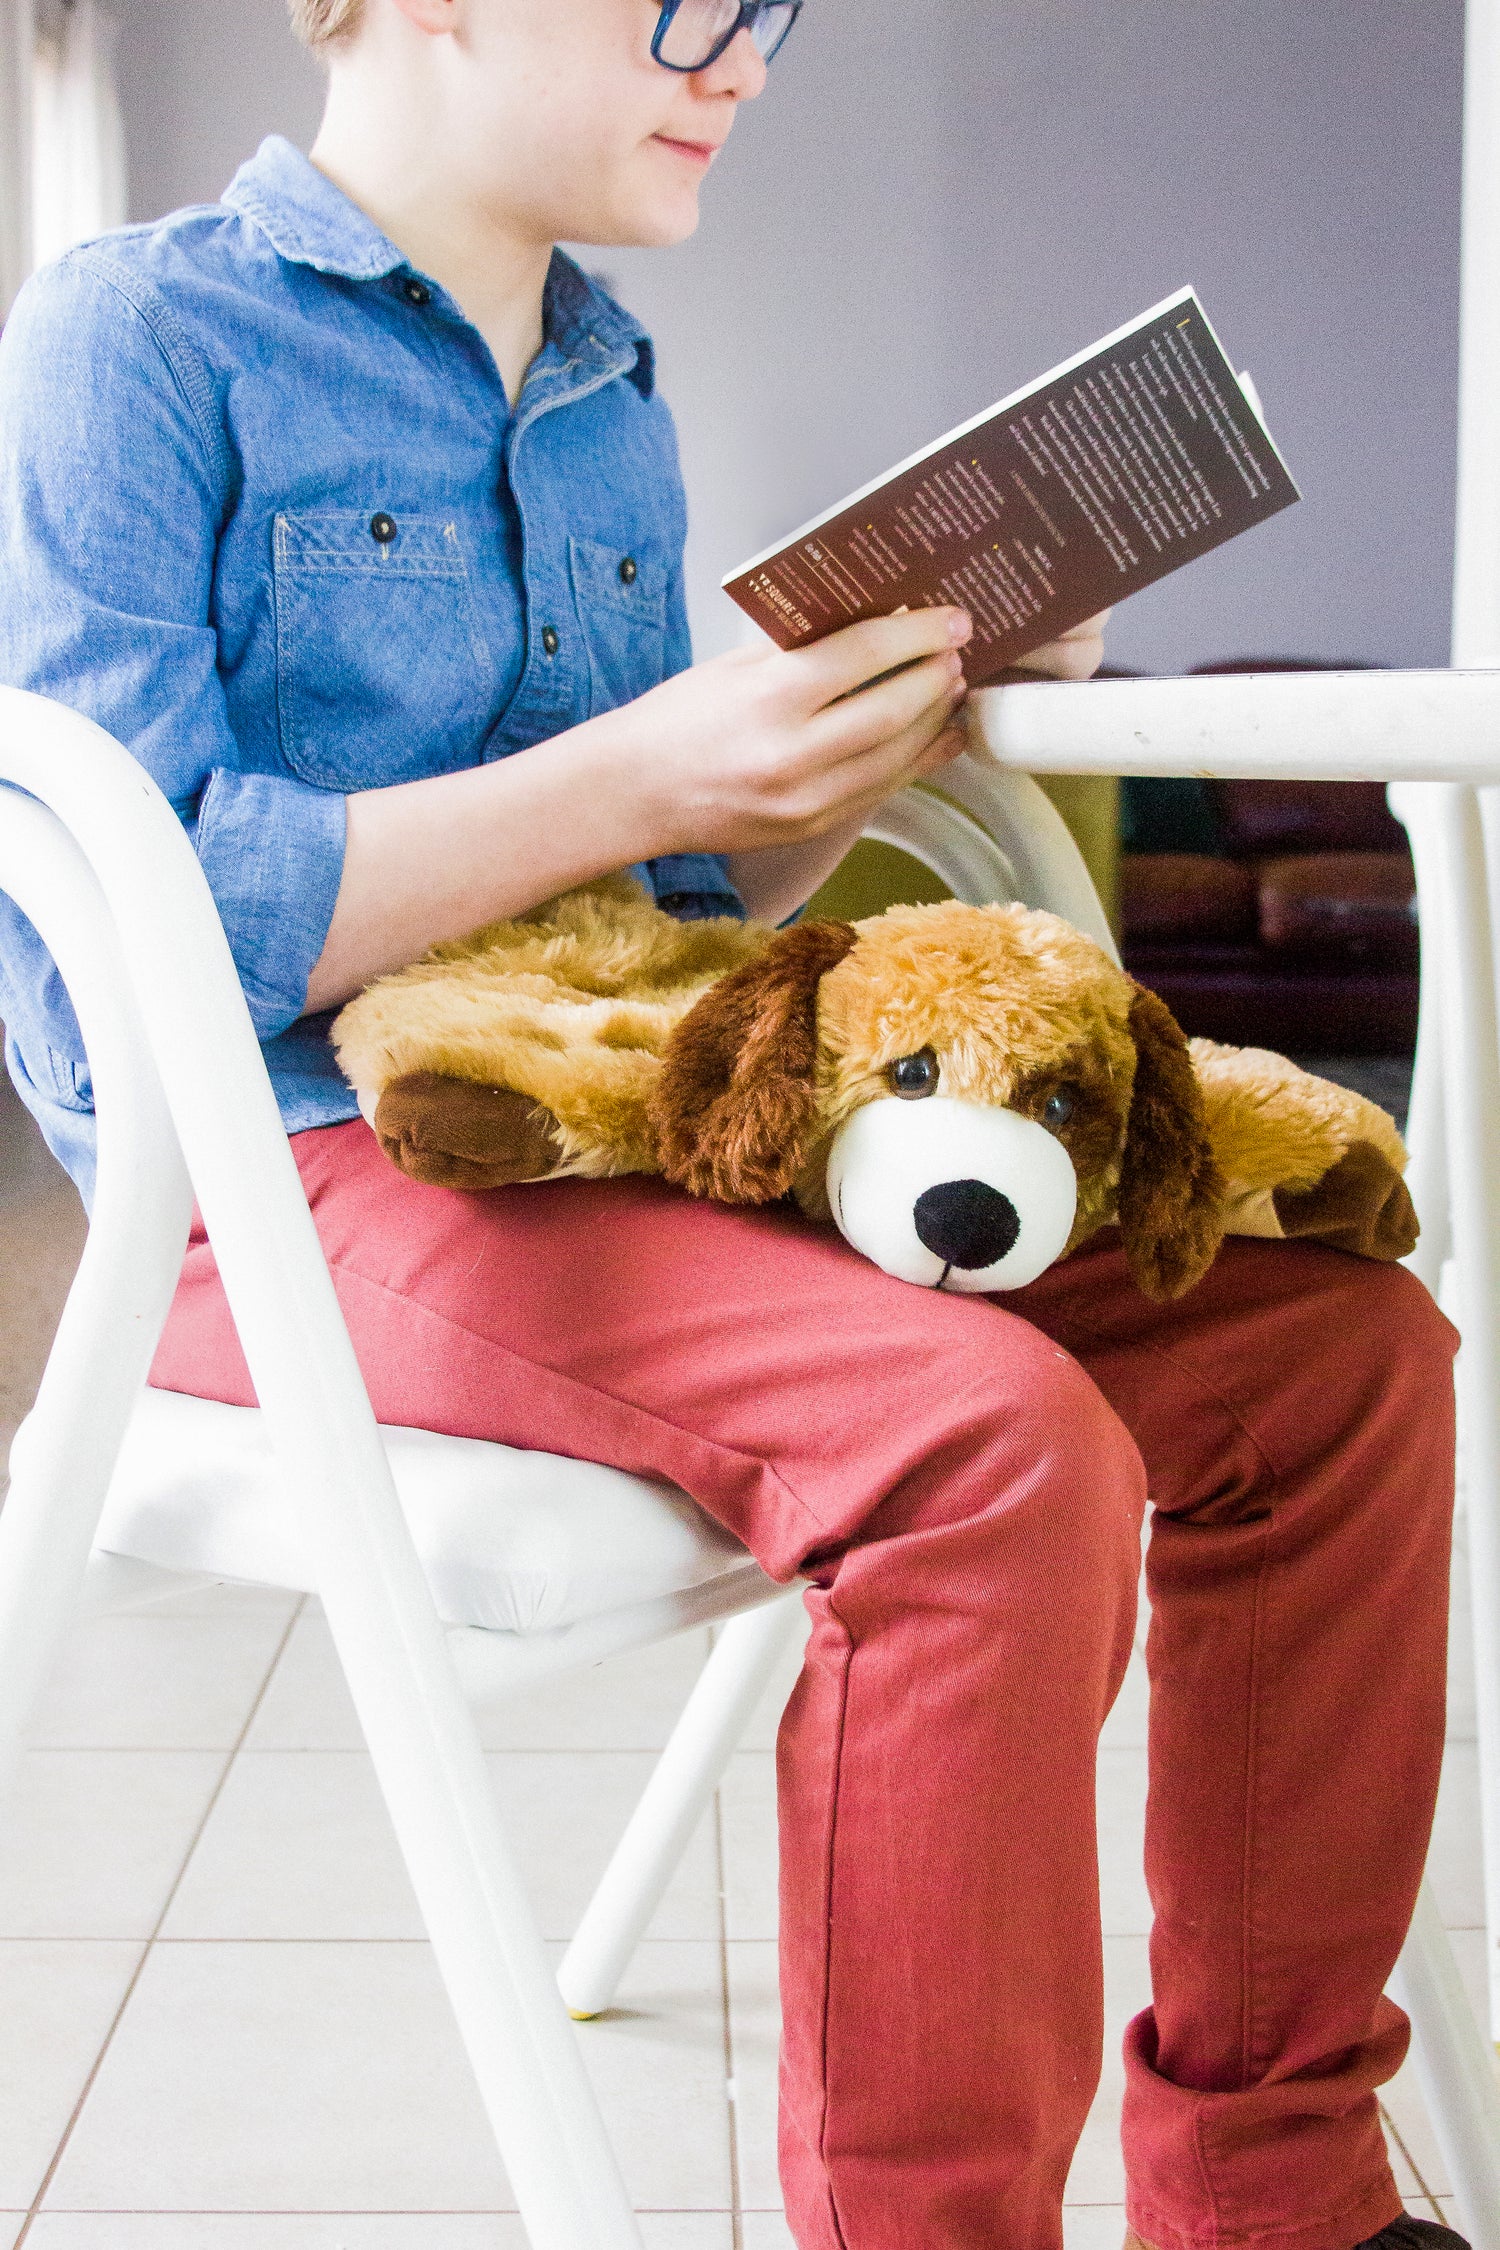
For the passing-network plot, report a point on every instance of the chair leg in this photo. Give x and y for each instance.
(1427, 1174)
(488, 1949)
(1457, 2072)
(60, 1463)
(43, 1557)
(686, 1776)
(1456, 906)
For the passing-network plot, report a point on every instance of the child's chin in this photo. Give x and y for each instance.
(642, 221)
(658, 220)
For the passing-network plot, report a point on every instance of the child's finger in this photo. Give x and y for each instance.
(950, 744)
(1074, 655)
(854, 658)
(922, 694)
(890, 764)
(1092, 628)
(940, 752)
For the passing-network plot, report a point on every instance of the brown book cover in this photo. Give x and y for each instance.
(1123, 464)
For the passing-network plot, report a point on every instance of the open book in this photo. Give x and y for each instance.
(1121, 465)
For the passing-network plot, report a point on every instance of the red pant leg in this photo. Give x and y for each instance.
(1295, 1416)
(968, 1509)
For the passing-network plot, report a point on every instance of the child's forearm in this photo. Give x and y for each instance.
(432, 860)
(429, 861)
(775, 882)
(770, 756)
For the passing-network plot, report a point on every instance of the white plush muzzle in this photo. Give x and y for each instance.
(950, 1194)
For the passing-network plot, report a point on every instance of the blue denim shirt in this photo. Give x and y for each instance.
(267, 515)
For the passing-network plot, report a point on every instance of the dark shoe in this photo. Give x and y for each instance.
(1404, 2233)
(1407, 2233)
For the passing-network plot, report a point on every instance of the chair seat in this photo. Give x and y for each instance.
(510, 1541)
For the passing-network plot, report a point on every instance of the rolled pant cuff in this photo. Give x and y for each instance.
(1342, 2231)
(1297, 2163)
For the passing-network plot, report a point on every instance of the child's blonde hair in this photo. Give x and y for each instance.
(318, 23)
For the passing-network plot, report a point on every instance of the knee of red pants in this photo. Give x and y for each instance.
(1357, 1362)
(1001, 1419)
(1018, 1509)
(1292, 1369)
(1393, 1320)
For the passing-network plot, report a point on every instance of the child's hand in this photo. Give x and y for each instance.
(765, 747)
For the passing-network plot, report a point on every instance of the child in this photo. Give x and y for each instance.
(351, 506)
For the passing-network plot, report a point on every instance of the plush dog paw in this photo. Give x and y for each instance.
(1361, 1204)
(1304, 1159)
(450, 1132)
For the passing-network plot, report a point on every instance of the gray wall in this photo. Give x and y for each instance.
(201, 83)
(937, 199)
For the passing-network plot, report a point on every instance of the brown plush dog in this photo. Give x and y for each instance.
(968, 1092)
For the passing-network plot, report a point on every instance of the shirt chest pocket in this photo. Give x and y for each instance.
(382, 673)
(622, 608)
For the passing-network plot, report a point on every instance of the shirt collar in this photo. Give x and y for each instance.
(306, 217)
(313, 223)
(584, 323)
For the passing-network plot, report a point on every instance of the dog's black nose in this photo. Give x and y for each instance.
(966, 1223)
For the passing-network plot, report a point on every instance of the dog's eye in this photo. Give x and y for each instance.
(912, 1076)
(1057, 1109)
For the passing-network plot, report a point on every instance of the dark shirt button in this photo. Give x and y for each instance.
(628, 571)
(383, 528)
(550, 641)
(416, 292)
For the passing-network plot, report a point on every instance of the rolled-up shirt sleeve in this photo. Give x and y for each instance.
(273, 852)
(115, 482)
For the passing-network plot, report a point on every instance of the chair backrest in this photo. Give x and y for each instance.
(102, 866)
(97, 860)
(992, 835)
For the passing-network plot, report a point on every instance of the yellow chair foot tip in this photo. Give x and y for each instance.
(585, 2015)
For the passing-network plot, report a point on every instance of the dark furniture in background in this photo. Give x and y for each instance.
(1272, 913)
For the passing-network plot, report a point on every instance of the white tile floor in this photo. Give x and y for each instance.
(207, 1939)
(221, 2026)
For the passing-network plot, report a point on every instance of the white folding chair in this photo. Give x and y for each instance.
(452, 1572)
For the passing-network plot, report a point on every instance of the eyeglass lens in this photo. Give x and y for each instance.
(772, 25)
(700, 29)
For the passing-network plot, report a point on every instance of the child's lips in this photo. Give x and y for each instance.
(697, 152)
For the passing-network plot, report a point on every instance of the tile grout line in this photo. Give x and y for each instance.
(1394, 2130)
(166, 1907)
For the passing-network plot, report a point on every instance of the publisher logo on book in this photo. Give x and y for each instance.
(766, 590)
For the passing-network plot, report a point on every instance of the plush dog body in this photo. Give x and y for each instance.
(570, 1006)
(968, 1092)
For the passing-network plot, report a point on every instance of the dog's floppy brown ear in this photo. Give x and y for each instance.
(736, 1101)
(1171, 1193)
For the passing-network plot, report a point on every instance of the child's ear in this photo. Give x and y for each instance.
(735, 1105)
(1171, 1194)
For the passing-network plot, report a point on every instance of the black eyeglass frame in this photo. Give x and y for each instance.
(750, 12)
